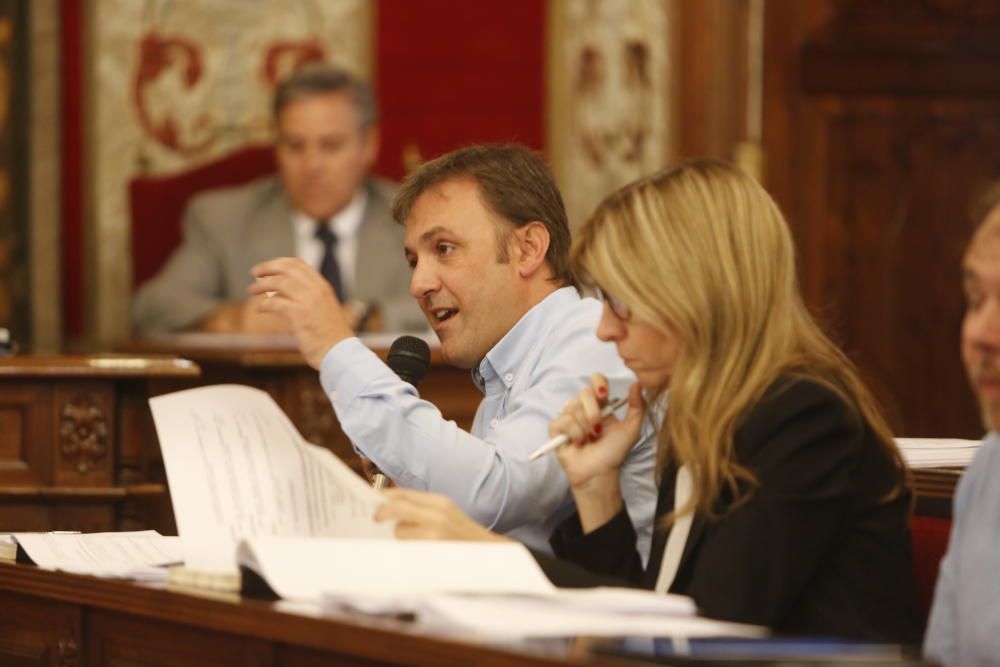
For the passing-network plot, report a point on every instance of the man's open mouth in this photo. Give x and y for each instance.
(443, 314)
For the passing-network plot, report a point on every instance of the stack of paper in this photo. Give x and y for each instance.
(555, 613)
(937, 453)
(140, 555)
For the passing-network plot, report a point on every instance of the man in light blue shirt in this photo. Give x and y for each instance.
(964, 626)
(488, 242)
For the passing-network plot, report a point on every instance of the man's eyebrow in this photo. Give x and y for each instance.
(434, 231)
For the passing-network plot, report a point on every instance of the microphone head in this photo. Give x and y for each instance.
(409, 357)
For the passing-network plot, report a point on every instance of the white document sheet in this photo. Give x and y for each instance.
(557, 613)
(599, 599)
(137, 555)
(305, 568)
(238, 468)
(937, 452)
(515, 617)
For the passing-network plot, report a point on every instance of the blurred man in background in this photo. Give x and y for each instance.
(323, 207)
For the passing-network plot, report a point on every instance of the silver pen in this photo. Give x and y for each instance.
(560, 440)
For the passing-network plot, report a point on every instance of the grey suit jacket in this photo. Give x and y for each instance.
(228, 231)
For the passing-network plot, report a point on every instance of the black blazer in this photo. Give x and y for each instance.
(814, 551)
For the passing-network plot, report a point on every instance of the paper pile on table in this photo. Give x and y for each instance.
(937, 452)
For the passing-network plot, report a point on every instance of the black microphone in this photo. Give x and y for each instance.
(409, 358)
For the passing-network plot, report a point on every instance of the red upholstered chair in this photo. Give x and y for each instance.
(157, 203)
(930, 541)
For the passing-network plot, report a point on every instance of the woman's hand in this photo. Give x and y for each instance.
(430, 516)
(596, 450)
(596, 447)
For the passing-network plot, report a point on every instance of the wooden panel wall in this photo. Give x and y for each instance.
(710, 77)
(881, 119)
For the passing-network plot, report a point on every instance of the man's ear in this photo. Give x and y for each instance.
(532, 242)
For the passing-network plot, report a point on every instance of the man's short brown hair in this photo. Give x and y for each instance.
(514, 182)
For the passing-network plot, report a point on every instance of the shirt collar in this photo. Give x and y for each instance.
(504, 360)
(344, 224)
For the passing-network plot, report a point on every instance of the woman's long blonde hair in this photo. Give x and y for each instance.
(701, 251)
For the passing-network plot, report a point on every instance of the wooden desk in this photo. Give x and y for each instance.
(934, 488)
(936, 482)
(274, 364)
(49, 618)
(75, 433)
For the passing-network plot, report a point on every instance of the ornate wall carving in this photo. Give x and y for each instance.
(609, 96)
(176, 83)
(83, 433)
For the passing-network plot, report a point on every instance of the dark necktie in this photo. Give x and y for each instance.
(329, 267)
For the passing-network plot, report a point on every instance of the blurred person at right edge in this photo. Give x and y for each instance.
(783, 499)
(964, 627)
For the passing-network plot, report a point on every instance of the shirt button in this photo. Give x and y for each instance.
(509, 377)
(494, 423)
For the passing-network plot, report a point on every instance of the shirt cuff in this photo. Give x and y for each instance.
(349, 367)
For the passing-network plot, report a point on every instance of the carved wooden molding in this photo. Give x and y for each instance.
(919, 19)
(905, 48)
(83, 432)
(69, 653)
(886, 69)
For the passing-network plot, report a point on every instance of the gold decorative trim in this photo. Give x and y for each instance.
(6, 33)
(45, 166)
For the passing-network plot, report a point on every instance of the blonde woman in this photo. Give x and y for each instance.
(783, 498)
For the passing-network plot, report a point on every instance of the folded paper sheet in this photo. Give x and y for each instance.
(139, 555)
(304, 568)
(238, 468)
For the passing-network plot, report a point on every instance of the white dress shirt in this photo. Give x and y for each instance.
(346, 226)
(964, 626)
